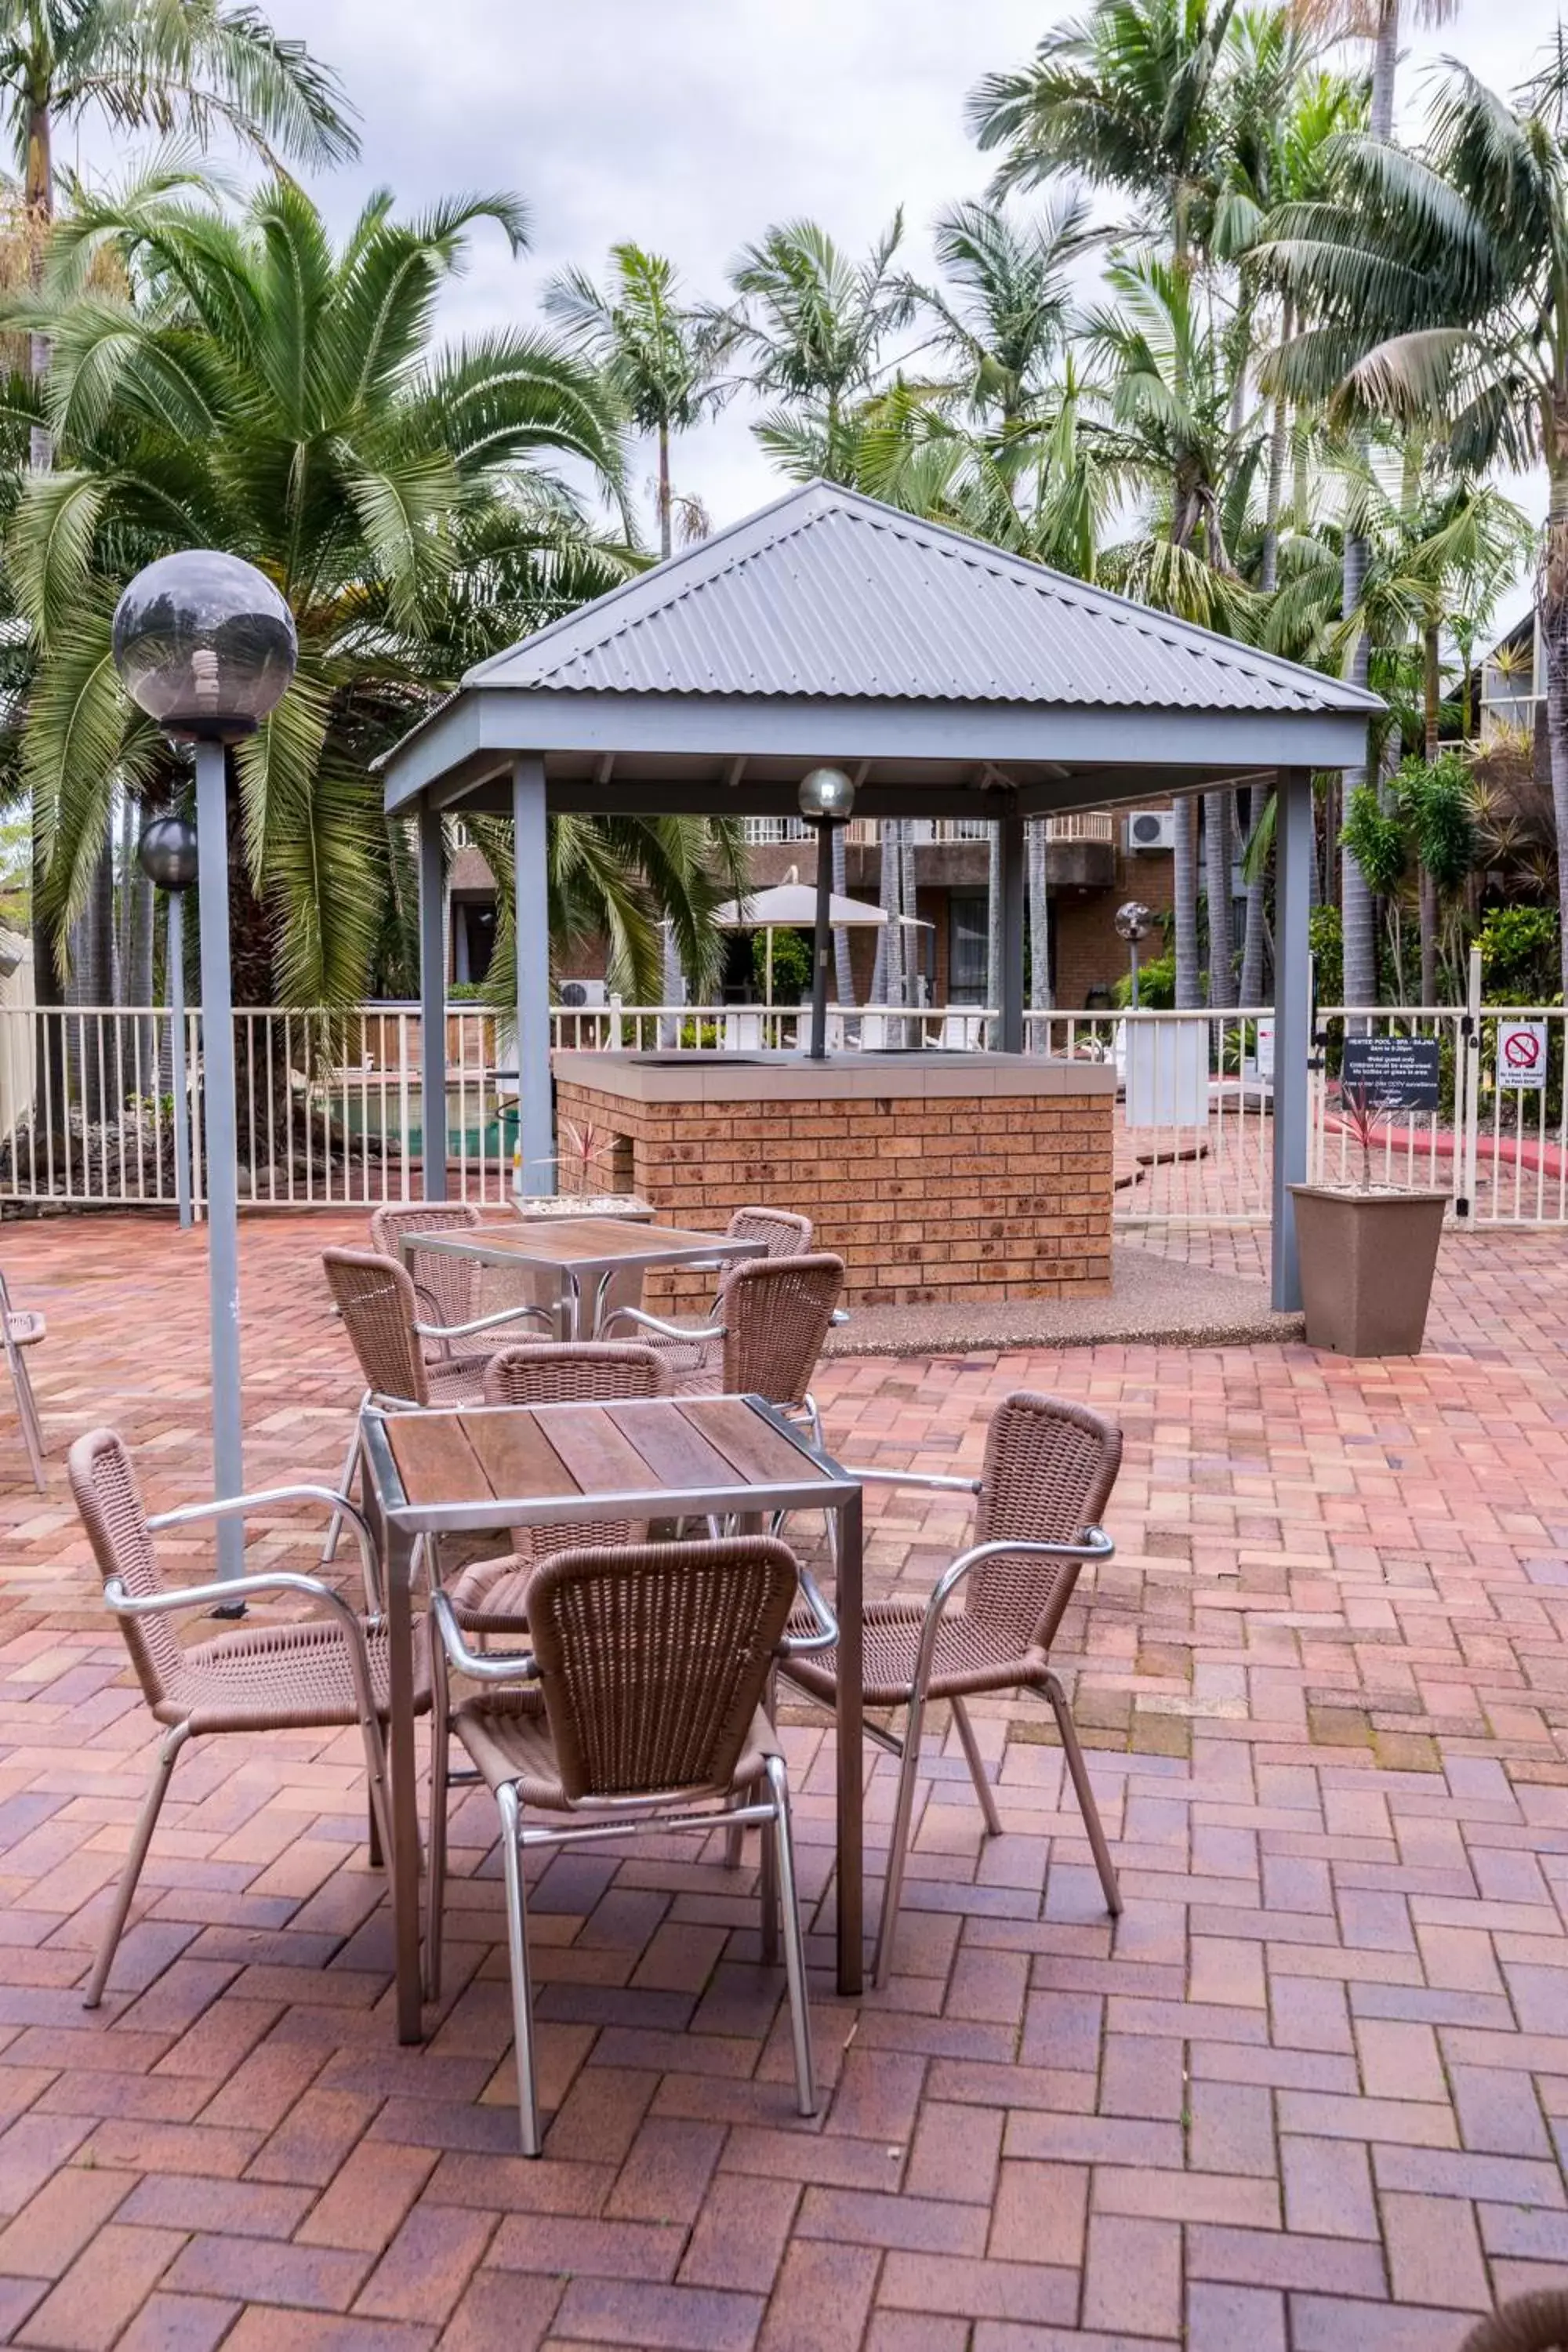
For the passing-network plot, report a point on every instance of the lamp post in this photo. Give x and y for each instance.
(205, 645)
(1134, 922)
(826, 798)
(168, 853)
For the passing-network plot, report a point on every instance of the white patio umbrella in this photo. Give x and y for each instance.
(792, 907)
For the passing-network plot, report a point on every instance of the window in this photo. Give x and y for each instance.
(967, 930)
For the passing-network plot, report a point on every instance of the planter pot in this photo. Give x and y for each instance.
(1367, 1261)
(542, 1208)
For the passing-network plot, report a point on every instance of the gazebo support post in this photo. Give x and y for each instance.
(1013, 874)
(530, 879)
(822, 940)
(432, 1007)
(1293, 1022)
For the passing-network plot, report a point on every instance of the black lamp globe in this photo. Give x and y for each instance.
(205, 645)
(167, 850)
(825, 795)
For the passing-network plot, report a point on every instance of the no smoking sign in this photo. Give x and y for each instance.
(1521, 1054)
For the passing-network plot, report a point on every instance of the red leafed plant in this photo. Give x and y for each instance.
(1362, 1115)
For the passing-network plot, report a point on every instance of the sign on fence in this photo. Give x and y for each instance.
(1521, 1054)
(1398, 1073)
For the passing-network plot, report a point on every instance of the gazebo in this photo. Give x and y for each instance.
(948, 678)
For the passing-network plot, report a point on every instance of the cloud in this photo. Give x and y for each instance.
(691, 124)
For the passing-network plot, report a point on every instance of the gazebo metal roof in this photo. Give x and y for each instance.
(830, 626)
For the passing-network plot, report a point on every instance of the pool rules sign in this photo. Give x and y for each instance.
(1521, 1054)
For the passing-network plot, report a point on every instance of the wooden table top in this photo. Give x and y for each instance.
(572, 1241)
(548, 1457)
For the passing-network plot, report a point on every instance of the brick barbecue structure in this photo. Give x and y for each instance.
(936, 1177)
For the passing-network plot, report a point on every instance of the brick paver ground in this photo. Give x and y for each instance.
(1308, 2097)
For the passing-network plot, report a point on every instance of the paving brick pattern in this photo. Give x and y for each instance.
(1308, 2096)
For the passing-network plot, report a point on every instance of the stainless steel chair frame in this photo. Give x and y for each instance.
(232, 1588)
(1096, 1545)
(622, 1818)
(352, 1459)
(22, 1381)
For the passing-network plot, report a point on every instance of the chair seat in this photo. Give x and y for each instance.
(507, 1734)
(491, 1596)
(24, 1326)
(294, 1677)
(969, 1657)
(696, 1367)
(456, 1380)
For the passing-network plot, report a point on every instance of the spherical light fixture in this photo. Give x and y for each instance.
(205, 645)
(167, 850)
(827, 796)
(1134, 921)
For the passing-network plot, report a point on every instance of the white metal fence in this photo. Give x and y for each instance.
(331, 1108)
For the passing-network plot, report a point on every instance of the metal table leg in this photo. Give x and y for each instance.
(403, 1860)
(851, 1759)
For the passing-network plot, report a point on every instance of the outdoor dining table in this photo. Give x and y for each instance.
(583, 1255)
(490, 1469)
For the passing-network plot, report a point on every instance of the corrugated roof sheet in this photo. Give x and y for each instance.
(829, 594)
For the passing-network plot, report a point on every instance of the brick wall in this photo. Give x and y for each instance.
(970, 1197)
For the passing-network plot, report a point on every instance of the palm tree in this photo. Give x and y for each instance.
(653, 350)
(1437, 285)
(254, 389)
(813, 324)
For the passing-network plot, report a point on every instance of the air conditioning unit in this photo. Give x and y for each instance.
(1151, 829)
(580, 993)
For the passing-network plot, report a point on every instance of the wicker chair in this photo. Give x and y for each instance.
(640, 1708)
(380, 1309)
(447, 1290)
(489, 1598)
(1535, 2323)
(22, 1328)
(1048, 1472)
(772, 1318)
(692, 1348)
(315, 1675)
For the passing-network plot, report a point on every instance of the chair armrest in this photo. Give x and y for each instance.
(482, 1323)
(839, 1315)
(482, 1665)
(230, 1507)
(1093, 1544)
(231, 1589)
(666, 1330)
(803, 1645)
(936, 1479)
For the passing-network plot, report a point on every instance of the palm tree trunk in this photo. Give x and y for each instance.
(1254, 932)
(843, 969)
(1552, 597)
(1384, 64)
(1184, 889)
(887, 978)
(994, 917)
(1357, 909)
(1038, 840)
(1432, 690)
(1278, 449)
(1218, 830)
(664, 535)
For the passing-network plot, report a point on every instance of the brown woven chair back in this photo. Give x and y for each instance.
(571, 1372)
(446, 1288)
(575, 1371)
(375, 1297)
(654, 1660)
(1049, 1469)
(776, 1312)
(780, 1231)
(1535, 2323)
(109, 1502)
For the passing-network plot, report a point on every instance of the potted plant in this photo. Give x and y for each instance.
(1367, 1254)
(585, 1168)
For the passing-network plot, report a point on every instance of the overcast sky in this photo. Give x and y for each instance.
(690, 125)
